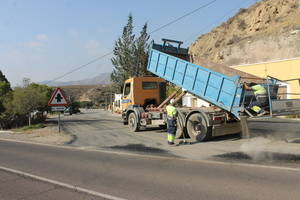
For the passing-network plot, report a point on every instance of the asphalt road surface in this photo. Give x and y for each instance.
(101, 130)
(147, 177)
(16, 187)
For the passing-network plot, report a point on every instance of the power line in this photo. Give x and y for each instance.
(82, 66)
(183, 16)
(109, 53)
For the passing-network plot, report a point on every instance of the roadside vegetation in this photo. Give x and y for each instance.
(31, 127)
(131, 58)
(23, 104)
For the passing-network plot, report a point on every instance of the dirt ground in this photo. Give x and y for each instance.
(47, 135)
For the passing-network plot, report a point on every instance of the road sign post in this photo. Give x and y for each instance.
(59, 122)
(58, 103)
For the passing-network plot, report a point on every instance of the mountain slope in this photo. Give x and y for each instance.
(101, 79)
(268, 30)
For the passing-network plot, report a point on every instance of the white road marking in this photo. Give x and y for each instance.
(159, 157)
(61, 184)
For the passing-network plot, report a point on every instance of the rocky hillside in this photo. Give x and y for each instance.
(268, 30)
(93, 89)
(93, 93)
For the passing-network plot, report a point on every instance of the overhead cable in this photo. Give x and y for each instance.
(183, 16)
(155, 30)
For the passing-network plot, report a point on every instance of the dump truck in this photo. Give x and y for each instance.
(144, 105)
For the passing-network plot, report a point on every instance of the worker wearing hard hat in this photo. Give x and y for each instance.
(261, 98)
(171, 117)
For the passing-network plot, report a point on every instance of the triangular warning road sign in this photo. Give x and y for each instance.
(58, 98)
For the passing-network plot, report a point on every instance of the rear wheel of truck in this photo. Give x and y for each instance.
(197, 128)
(133, 123)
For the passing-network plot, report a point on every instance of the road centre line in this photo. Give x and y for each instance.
(87, 149)
(61, 184)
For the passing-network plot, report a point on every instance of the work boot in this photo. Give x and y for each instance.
(171, 143)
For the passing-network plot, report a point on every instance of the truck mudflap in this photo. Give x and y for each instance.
(226, 129)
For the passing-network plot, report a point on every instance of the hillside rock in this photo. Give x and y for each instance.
(94, 93)
(268, 30)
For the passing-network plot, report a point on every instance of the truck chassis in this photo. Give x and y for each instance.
(199, 124)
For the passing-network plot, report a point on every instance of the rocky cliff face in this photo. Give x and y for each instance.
(268, 30)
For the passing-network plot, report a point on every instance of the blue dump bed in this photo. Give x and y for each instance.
(216, 88)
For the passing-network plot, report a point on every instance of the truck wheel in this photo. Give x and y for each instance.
(132, 122)
(180, 133)
(197, 128)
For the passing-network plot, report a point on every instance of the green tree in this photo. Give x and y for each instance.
(5, 92)
(32, 97)
(2, 77)
(123, 55)
(141, 53)
(130, 55)
(5, 95)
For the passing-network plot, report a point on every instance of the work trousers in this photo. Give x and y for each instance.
(171, 130)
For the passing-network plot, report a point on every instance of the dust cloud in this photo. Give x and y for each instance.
(256, 148)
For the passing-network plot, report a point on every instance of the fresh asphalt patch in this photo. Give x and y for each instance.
(259, 157)
(141, 149)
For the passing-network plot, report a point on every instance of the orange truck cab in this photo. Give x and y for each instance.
(138, 94)
(143, 91)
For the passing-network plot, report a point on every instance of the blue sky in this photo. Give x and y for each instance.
(43, 39)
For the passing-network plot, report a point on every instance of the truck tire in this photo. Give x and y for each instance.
(197, 128)
(133, 123)
(181, 133)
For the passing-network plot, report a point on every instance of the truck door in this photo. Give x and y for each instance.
(127, 96)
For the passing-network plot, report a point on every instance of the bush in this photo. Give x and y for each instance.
(233, 40)
(35, 126)
(218, 43)
(242, 24)
(295, 5)
(86, 104)
(8, 120)
(241, 11)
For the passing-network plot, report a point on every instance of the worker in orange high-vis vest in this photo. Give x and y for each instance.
(172, 118)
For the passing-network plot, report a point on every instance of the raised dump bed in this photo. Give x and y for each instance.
(218, 89)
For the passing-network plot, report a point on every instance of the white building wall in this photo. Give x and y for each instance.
(190, 100)
(117, 106)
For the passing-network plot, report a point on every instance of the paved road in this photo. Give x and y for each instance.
(101, 130)
(15, 187)
(142, 177)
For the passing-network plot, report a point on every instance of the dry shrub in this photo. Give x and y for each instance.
(242, 24)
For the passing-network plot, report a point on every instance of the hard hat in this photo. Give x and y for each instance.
(172, 101)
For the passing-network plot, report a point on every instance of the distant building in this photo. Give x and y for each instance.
(117, 106)
(190, 100)
(281, 69)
